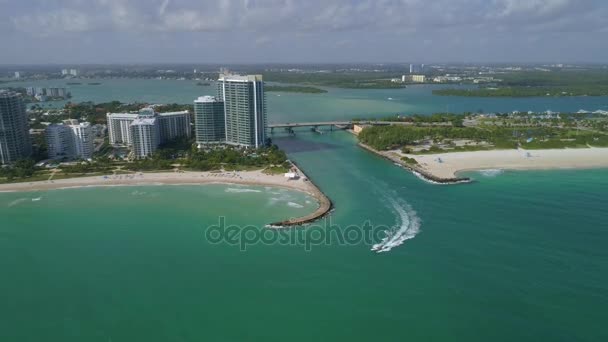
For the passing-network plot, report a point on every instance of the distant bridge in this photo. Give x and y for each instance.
(289, 126)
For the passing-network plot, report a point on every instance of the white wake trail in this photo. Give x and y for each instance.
(407, 228)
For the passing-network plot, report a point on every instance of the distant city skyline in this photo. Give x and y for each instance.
(314, 31)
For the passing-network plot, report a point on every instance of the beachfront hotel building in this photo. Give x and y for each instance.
(244, 109)
(15, 140)
(71, 139)
(145, 134)
(209, 120)
(167, 127)
(119, 128)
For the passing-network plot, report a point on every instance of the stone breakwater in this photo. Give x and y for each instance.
(325, 206)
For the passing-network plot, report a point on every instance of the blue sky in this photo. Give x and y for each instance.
(295, 31)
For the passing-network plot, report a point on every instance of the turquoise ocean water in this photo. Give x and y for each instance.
(515, 256)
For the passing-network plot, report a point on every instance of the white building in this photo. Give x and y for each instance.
(145, 133)
(17, 74)
(119, 130)
(418, 78)
(73, 72)
(167, 127)
(83, 139)
(65, 72)
(72, 140)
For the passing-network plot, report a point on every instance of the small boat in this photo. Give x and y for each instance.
(390, 99)
(36, 199)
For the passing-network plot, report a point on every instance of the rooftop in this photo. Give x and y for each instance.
(207, 99)
(143, 122)
(240, 78)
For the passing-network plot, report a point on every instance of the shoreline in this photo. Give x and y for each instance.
(254, 178)
(455, 163)
(447, 168)
(417, 170)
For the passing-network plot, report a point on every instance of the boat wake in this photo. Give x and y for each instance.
(241, 190)
(491, 172)
(17, 202)
(407, 227)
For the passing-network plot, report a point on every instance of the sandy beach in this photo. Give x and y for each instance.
(448, 165)
(184, 177)
(242, 177)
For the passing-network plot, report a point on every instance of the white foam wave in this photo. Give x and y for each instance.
(17, 202)
(241, 190)
(295, 205)
(407, 228)
(490, 172)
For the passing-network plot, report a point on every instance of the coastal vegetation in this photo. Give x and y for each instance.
(435, 139)
(295, 89)
(271, 159)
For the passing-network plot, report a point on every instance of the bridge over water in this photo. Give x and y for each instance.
(289, 126)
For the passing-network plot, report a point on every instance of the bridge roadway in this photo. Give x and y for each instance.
(325, 123)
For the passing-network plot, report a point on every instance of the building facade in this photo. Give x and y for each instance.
(58, 141)
(174, 125)
(145, 136)
(244, 109)
(119, 128)
(15, 142)
(72, 140)
(209, 120)
(122, 128)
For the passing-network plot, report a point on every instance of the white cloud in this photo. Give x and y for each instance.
(297, 17)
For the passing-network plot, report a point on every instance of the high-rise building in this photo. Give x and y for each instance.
(412, 68)
(82, 134)
(15, 140)
(167, 127)
(146, 136)
(119, 130)
(65, 72)
(70, 140)
(58, 141)
(174, 125)
(244, 109)
(209, 120)
(17, 74)
(73, 72)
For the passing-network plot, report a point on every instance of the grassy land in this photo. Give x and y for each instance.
(276, 170)
(295, 89)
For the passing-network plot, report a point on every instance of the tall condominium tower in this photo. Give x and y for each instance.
(70, 140)
(209, 120)
(145, 133)
(244, 109)
(15, 140)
